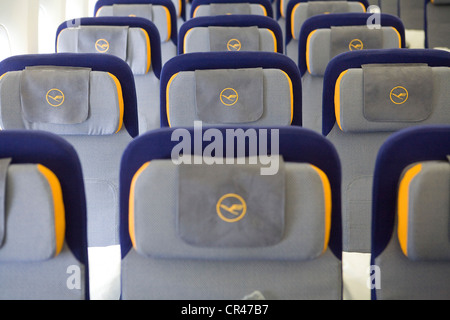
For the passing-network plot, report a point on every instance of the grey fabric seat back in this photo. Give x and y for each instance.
(437, 24)
(215, 9)
(222, 88)
(297, 12)
(134, 40)
(175, 241)
(326, 36)
(43, 239)
(410, 215)
(202, 39)
(230, 33)
(162, 13)
(361, 112)
(43, 92)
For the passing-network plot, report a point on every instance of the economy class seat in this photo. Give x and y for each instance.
(161, 12)
(134, 40)
(189, 232)
(90, 101)
(296, 12)
(200, 8)
(230, 88)
(43, 237)
(324, 37)
(230, 33)
(368, 96)
(437, 24)
(410, 242)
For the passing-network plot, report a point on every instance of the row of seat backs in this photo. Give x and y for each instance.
(410, 163)
(194, 61)
(177, 9)
(177, 82)
(295, 13)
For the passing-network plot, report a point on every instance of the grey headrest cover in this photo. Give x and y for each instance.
(229, 96)
(62, 100)
(66, 98)
(234, 38)
(397, 92)
(239, 207)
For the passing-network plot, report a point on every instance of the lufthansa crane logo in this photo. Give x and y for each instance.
(229, 97)
(231, 207)
(399, 95)
(102, 45)
(356, 45)
(55, 97)
(234, 45)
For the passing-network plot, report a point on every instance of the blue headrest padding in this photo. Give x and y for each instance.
(296, 144)
(416, 144)
(355, 59)
(170, 6)
(339, 20)
(232, 60)
(230, 21)
(292, 3)
(132, 22)
(97, 62)
(60, 157)
(266, 3)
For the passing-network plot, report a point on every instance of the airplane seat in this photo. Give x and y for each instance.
(410, 242)
(134, 40)
(43, 238)
(325, 36)
(230, 88)
(162, 13)
(200, 8)
(296, 12)
(215, 231)
(369, 95)
(90, 101)
(230, 33)
(437, 24)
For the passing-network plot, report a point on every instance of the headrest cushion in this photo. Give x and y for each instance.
(300, 231)
(160, 15)
(34, 215)
(269, 101)
(129, 44)
(424, 211)
(387, 98)
(62, 100)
